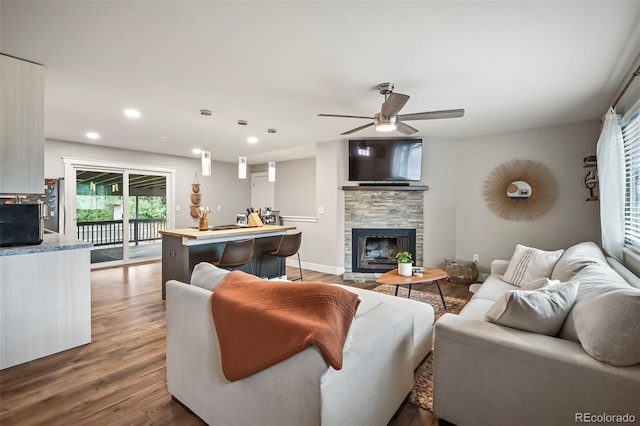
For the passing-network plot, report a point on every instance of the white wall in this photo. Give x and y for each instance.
(296, 187)
(439, 172)
(571, 219)
(323, 241)
(222, 188)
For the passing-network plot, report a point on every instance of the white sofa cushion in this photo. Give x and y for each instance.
(609, 326)
(595, 280)
(575, 258)
(207, 276)
(528, 264)
(540, 311)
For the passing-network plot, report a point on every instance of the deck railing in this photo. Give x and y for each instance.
(105, 232)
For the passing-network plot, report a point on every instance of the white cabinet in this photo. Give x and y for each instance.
(21, 126)
(45, 299)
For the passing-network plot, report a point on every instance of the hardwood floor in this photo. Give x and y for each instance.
(120, 377)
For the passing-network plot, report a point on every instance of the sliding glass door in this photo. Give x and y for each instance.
(147, 215)
(99, 212)
(121, 211)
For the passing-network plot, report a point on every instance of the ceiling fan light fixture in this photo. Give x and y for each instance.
(385, 124)
(388, 127)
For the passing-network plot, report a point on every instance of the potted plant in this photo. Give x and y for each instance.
(405, 263)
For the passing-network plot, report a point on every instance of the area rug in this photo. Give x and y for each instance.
(422, 392)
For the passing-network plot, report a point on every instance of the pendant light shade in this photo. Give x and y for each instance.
(242, 167)
(206, 154)
(271, 171)
(206, 163)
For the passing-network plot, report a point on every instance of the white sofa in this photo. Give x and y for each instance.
(389, 337)
(488, 374)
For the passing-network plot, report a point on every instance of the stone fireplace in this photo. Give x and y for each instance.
(387, 210)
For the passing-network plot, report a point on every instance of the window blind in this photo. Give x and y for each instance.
(631, 136)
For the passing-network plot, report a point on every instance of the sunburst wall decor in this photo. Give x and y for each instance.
(543, 193)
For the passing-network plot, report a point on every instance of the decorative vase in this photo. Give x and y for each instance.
(405, 269)
(203, 225)
(196, 199)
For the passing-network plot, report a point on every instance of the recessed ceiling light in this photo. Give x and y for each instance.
(132, 113)
(163, 137)
(252, 139)
(92, 135)
(196, 151)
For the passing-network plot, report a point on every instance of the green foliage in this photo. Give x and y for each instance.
(99, 208)
(149, 207)
(404, 257)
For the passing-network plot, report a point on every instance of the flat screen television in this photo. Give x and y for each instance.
(395, 160)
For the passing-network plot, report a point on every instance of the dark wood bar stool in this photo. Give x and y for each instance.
(236, 254)
(289, 245)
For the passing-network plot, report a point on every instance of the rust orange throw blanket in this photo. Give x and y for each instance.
(260, 323)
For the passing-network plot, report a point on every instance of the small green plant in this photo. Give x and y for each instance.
(404, 257)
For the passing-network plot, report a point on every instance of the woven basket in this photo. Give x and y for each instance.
(460, 271)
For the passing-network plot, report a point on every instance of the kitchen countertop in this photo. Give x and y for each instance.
(195, 234)
(50, 242)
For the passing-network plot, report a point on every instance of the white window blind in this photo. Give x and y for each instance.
(631, 135)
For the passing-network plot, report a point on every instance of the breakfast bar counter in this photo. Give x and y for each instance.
(184, 248)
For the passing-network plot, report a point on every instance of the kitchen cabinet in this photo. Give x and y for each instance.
(45, 299)
(21, 126)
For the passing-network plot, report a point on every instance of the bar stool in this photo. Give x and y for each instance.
(237, 253)
(289, 245)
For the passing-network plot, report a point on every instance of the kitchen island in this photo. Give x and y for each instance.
(45, 298)
(182, 249)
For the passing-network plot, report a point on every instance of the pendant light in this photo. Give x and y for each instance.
(242, 167)
(206, 154)
(242, 160)
(271, 168)
(271, 171)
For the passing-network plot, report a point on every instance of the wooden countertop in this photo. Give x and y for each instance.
(194, 234)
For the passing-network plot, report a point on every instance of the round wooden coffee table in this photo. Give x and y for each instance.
(430, 275)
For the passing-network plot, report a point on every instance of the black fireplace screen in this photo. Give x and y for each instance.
(374, 250)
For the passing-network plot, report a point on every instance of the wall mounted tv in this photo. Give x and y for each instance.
(397, 160)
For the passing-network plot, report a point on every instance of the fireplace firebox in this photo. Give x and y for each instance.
(375, 249)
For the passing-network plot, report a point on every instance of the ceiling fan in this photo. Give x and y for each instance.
(388, 119)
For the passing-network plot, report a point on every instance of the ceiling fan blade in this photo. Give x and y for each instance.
(405, 129)
(393, 104)
(344, 116)
(348, 132)
(433, 115)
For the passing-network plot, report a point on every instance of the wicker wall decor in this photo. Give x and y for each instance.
(544, 190)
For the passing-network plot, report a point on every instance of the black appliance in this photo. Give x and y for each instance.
(385, 160)
(20, 224)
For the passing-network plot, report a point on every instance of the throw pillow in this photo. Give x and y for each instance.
(595, 280)
(207, 276)
(528, 264)
(575, 258)
(605, 318)
(540, 311)
(539, 283)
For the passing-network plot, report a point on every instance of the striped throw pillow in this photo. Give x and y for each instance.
(529, 264)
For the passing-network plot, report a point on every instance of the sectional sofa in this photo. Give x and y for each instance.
(389, 337)
(486, 373)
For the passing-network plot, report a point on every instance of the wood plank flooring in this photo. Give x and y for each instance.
(120, 378)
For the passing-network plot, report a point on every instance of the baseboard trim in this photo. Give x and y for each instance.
(318, 267)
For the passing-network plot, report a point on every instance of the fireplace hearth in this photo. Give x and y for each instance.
(375, 249)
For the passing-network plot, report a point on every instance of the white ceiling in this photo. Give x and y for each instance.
(510, 65)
